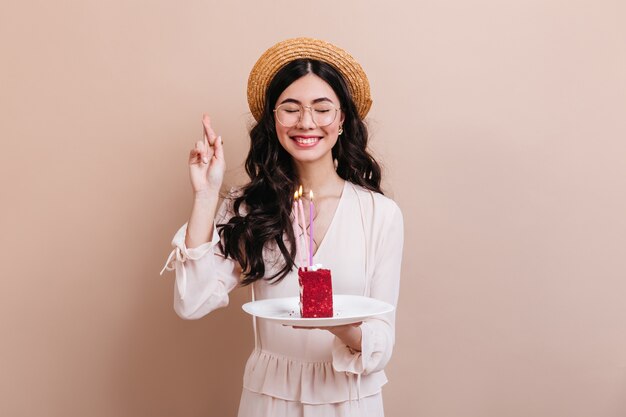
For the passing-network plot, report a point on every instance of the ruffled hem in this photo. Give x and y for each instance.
(307, 382)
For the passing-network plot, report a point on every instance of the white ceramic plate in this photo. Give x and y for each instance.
(347, 309)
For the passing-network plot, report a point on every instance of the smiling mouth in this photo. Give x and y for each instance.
(306, 141)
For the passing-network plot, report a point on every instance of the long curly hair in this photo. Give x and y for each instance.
(262, 218)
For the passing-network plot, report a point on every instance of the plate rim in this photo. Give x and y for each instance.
(317, 321)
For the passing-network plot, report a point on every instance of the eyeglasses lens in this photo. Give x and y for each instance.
(289, 114)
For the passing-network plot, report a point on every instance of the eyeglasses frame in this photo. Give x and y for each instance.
(302, 114)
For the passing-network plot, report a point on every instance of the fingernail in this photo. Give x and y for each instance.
(205, 160)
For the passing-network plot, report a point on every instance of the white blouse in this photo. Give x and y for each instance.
(362, 248)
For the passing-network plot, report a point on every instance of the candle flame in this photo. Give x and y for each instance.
(295, 195)
(311, 195)
(300, 191)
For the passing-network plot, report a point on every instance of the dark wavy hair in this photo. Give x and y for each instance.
(263, 207)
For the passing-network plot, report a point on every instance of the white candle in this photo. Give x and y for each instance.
(302, 239)
(306, 247)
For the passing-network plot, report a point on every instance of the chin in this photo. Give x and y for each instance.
(309, 155)
(309, 158)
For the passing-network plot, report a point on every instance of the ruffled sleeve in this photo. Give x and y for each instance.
(204, 277)
(378, 334)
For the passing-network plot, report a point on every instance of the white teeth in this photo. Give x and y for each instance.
(306, 141)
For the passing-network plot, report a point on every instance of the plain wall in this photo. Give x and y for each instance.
(502, 129)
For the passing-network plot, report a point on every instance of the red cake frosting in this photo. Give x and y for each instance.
(316, 293)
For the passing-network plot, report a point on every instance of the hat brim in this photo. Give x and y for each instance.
(289, 50)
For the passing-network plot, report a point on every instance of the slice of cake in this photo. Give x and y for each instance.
(316, 292)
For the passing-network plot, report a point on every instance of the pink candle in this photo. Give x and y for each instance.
(311, 209)
(303, 225)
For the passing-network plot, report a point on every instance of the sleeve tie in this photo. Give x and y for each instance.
(178, 258)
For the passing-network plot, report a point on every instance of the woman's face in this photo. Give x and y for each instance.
(306, 141)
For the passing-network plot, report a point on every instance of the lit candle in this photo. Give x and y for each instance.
(311, 209)
(305, 247)
(300, 239)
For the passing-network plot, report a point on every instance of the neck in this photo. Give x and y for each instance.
(319, 176)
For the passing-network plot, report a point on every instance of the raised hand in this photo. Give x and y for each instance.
(206, 161)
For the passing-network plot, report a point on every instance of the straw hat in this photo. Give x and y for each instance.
(289, 50)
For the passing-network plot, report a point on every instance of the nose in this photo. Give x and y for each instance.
(306, 120)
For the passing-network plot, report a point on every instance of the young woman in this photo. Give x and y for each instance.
(309, 99)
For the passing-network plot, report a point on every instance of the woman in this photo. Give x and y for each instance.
(309, 98)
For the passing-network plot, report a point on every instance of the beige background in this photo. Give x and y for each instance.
(502, 128)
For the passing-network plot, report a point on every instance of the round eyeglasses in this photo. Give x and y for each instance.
(290, 114)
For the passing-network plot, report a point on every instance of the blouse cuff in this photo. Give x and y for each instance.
(346, 359)
(367, 360)
(181, 253)
(350, 361)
